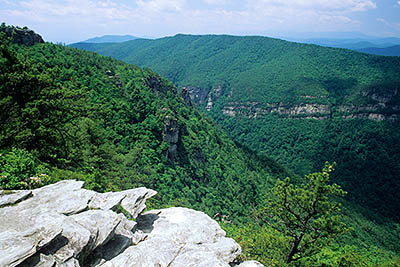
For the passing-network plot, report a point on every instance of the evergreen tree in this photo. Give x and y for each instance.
(306, 214)
(34, 109)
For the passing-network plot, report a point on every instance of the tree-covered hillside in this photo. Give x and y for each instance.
(384, 51)
(80, 115)
(67, 113)
(111, 39)
(300, 104)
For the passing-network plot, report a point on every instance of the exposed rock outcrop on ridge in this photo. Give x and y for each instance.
(23, 36)
(65, 225)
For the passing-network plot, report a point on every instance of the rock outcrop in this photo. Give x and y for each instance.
(186, 97)
(376, 112)
(23, 36)
(257, 110)
(214, 95)
(171, 136)
(378, 106)
(198, 95)
(65, 225)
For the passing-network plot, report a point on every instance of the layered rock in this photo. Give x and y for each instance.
(257, 110)
(186, 97)
(380, 111)
(377, 112)
(65, 225)
(179, 237)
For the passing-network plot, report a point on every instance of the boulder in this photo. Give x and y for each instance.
(181, 237)
(12, 197)
(250, 264)
(135, 200)
(101, 225)
(65, 225)
(15, 247)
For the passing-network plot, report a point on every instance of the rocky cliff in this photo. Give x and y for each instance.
(378, 107)
(23, 36)
(65, 225)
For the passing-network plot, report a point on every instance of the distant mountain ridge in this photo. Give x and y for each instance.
(111, 39)
(383, 51)
(299, 103)
(351, 43)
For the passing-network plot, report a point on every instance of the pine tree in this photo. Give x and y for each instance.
(307, 214)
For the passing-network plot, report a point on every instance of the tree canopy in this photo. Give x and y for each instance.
(306, 214)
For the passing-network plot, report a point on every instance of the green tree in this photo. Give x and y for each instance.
(34, 108)
(306, 214)
(19, 169)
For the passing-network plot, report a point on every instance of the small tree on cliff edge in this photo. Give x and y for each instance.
(306, 214)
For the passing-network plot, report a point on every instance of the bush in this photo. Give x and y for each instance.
(19, 169)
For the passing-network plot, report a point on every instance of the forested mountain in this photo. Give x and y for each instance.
(300, 104)
(81, 115)
(353, 43)
(111, 39)
(72, 114)
(384, 51)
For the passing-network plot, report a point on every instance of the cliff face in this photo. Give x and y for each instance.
(378, 107)
(65, 225)
(23, 36)
(257, 110)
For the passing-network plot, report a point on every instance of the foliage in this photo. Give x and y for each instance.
(19, 169)
(305, 214)
(103, 121)
(112, 119)
(268, 71)
(268, 246)
(263, 244)
(34, 110)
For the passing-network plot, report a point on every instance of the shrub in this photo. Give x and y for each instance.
(19, 169)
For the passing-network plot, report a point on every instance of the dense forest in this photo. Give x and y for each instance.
(300, 104)
(94, 118)
(72, 114)
(384, 51)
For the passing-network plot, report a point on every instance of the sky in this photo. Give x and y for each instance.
(70, 21)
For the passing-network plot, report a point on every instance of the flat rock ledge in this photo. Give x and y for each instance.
(65, 225)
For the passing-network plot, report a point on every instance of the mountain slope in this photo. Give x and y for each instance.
(301, 104)
(353, 43)
(111, 39)
(117, 127)
(385, 51)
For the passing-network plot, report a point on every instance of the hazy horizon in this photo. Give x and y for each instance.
(71, 21)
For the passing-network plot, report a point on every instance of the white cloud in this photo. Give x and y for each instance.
(70, 9)
(167, 17)
(321, 5)
(218, 2)
(161, 5)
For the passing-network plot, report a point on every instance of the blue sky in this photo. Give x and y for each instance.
(75, 20)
